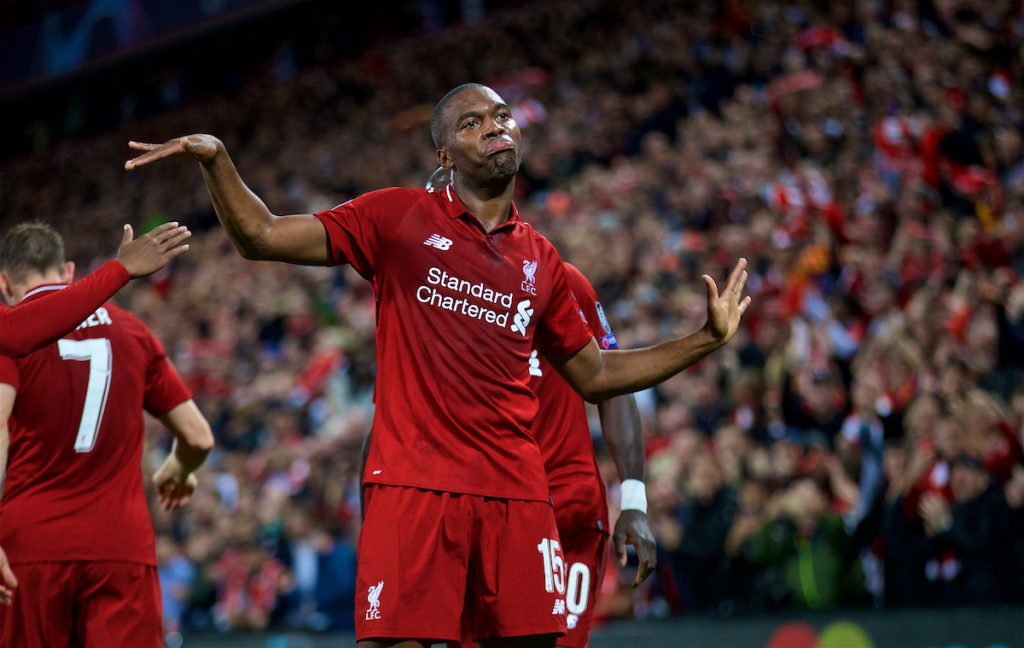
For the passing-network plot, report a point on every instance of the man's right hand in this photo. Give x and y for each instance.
(147, 254)
(201, 148)
(8, 582)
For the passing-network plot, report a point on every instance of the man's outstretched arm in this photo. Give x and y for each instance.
(599, 375)
(256, 232)
(42, 321)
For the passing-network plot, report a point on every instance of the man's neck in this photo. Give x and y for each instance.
(492, 206)
(19, 291)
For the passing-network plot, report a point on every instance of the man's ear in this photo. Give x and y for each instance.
(69, 271)
(444, 159)
(5, 288)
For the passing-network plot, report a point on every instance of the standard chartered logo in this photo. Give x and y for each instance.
(471, 299)
(522, 318)
(474, 300)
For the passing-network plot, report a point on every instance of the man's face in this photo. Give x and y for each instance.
(479, 136)
(967, 482)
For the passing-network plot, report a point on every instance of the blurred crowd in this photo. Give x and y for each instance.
(858, 443)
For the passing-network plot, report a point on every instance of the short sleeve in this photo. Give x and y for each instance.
(9, 374)
(357, 229)
(165, 389)
(562, 331)
(590, 307)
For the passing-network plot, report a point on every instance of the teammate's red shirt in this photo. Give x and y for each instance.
(561, 427)
(74, 483)
(459, 311)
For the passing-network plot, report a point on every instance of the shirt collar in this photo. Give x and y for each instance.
(454, 208)
(41, 290)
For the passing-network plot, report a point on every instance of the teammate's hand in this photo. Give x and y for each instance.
(631, 529)
(201, 148)
(726, 310)
(147, 254)
(8, 582)
(173, 489)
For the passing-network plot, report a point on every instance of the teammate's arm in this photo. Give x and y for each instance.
(8, 582)
(256, 232)
(598, 375)
(175, 480)
(44, 320)
(623, 434)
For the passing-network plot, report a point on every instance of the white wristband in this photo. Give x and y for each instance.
(634, 496)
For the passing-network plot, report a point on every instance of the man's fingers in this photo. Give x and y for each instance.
(177, 238)
(128, 234)
(178, 251)
(163, 228)
(159, 152)
(712, 288)
(9, 579)
(143, 146)
(739, 286)
(744, 304)
(165, 232)
(648, 559)
(619, 543)
(734, 276)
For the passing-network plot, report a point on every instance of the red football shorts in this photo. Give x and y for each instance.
(426, 558)
(586, 557)
(89, 603)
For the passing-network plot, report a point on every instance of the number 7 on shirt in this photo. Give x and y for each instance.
(98, 354)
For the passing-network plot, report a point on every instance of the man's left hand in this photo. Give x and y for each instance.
(631, 529)
(726, 309)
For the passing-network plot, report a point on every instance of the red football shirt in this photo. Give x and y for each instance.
(459, 310)
(74, 482)
(562, 430)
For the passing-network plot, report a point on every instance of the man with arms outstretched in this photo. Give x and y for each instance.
(40, 322)
(77, 553)
(457, 499)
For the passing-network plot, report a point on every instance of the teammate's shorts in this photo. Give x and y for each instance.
(426, 557)
(93, 604)
(586, 557)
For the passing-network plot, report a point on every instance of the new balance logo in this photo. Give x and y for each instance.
(438, 241)
(373, 598)
(559, 607)
(522, 318)
(535, 365)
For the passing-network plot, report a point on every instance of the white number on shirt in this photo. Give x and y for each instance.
(97, 353)
(579, 589)
(554, 566)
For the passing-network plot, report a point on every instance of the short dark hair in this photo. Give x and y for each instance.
(30, 247)
(438, 115)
